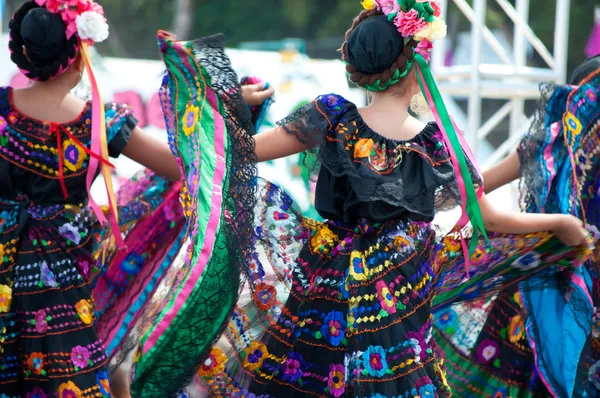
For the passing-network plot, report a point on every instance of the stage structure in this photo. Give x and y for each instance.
(511, 80)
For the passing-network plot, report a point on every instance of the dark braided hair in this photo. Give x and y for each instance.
(383, 68)
(42, 34)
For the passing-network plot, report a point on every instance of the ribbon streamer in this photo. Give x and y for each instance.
(99, 145)
(457, 148)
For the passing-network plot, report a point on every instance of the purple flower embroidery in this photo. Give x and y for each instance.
(41, 323)
(487, 351)
(47, 276)
(36, 393)
(70, 232)
(292, 368)
(80, 356)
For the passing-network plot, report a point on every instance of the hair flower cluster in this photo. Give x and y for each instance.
(85, 18)
(415, 19)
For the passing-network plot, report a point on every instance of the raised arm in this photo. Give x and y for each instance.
(502, 173)
(152, 153)
(567, 228)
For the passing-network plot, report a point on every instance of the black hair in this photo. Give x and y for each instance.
(588, 67)
(43, 35)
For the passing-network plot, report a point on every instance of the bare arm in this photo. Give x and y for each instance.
(502, 173)
(276, 143)
(567, 228)
(152, 153)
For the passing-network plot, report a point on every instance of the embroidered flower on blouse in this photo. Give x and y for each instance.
(74, 156)
(5, 298)
(102, 381)
(36, 393)
(35, 363)
(85, 311)
(336, 382)
(255, 356)
(374, 361)
(265, 296)
(190, 119)
(362, 149)
(419, 346)
(3, 124)
(70, 232)
(47, 277)
(323, 240)
(41, 319)
(69, 390)
(516, 329)
(333, 328)
(292, 368)
(213, 364)
(487, 351)
(80, 356)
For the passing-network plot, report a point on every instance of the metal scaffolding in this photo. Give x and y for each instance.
(512, 80)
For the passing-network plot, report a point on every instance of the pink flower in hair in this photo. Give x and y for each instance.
(51, 5)
(409, 23)
(437, 11)
(389, 6)
(424, 48)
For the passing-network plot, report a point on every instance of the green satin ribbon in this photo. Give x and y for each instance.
(471, 205)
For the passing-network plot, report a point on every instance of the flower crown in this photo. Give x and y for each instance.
(85, 18)
(416, 19)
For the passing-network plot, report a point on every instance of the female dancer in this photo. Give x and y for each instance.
(353, 315)
(489, 349)
(51, 144)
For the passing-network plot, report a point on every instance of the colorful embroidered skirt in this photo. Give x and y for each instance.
(339, 311)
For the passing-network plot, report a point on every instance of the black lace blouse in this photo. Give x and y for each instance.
(363, 175)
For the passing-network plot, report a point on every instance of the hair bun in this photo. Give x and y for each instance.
(44, 35)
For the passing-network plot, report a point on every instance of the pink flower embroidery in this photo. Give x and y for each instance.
(3, 124)
(36, 393)
(389, 6)
(41, 324)
(80, 356)
(424, 48)
(409, 23)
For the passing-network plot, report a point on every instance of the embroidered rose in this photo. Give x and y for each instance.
(374, 361)
(334, 328)
(255, 355)
(80, 356)
(292, 368)
(47, 277)
(69, 390)
(85, 311)
(35, 363)
(5, 298)
(336, 380)
(92, 27)
(409, 23)
(487, 351)
(214, 363)
(41, 321)
(70, 232)
(36, 393)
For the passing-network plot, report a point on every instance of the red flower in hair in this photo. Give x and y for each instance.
(51, 5)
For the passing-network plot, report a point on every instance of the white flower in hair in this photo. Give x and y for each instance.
(92, 26)
(433, 31)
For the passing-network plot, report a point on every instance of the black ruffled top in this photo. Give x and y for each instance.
(29, 152)
(364, 175)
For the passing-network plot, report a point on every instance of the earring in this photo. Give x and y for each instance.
(418, 105)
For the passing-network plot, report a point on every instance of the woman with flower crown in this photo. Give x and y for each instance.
(558, 353)
(54, 330)
(347, 307)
